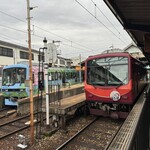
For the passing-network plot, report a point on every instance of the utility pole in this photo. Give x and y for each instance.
(80, 69)
(30, 75)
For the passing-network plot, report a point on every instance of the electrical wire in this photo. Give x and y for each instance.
(38, 36)
(107, 18)
(99, 21)
(42, 30)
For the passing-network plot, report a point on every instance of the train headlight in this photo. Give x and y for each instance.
(115, 95)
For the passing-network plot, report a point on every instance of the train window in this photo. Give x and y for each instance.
(21, 74)
(1, 68)
(108, 71)
(63, 77)
(141, 71)
(14, 75)
(56, 75)
(71, 75)
(52, 73)
(77, 74)
(53, 76)
(59, 75)
(49, 76)
(66, 74)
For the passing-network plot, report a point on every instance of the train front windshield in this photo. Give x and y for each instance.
(109, 71)
(12, 76)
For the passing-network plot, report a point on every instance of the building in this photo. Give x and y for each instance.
(113, 50)
(13, 54)
(132, 49)
(135, 52)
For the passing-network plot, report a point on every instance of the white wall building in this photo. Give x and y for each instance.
(76, 60)
(13, 54)
(134, 51)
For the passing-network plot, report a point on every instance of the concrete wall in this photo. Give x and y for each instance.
(1, 101)
(24, 104)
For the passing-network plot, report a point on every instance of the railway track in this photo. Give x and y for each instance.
(2, 109)
(13, 126)
(96, 135)
(4, 112)
(16, 125)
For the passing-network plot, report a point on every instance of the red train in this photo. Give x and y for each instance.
(112, 83)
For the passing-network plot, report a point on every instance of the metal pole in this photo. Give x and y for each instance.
(80, 68)
(30, 75)
(46, 81)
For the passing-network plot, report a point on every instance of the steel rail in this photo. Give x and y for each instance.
(13, 132)
(74, 136)
(9, 122)
(17, 130)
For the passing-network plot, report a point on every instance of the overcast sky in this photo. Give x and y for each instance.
(66, 21)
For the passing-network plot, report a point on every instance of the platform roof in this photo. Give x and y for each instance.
(134, 15)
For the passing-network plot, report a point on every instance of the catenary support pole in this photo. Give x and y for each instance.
(30, 75)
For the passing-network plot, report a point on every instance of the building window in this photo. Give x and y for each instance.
(32, 56)
(25, 55)
(69, 64)
(62, 62)
(6, 52)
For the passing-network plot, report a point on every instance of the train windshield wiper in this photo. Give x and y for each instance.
(115, 83)
(98, 83)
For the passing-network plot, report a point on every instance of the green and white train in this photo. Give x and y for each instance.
(15, 76)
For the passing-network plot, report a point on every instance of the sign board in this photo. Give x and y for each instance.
(51, 54)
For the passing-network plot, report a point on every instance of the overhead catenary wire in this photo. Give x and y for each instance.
(95, 17)
(11, 39)
(72, 42)
(106, 18)
(40, 37)
(68, 45)
(59, 35)
(25, 32)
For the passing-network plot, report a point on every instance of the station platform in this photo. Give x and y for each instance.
(60, 110)
(67, 104)
(134, 133)
(23, 106)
